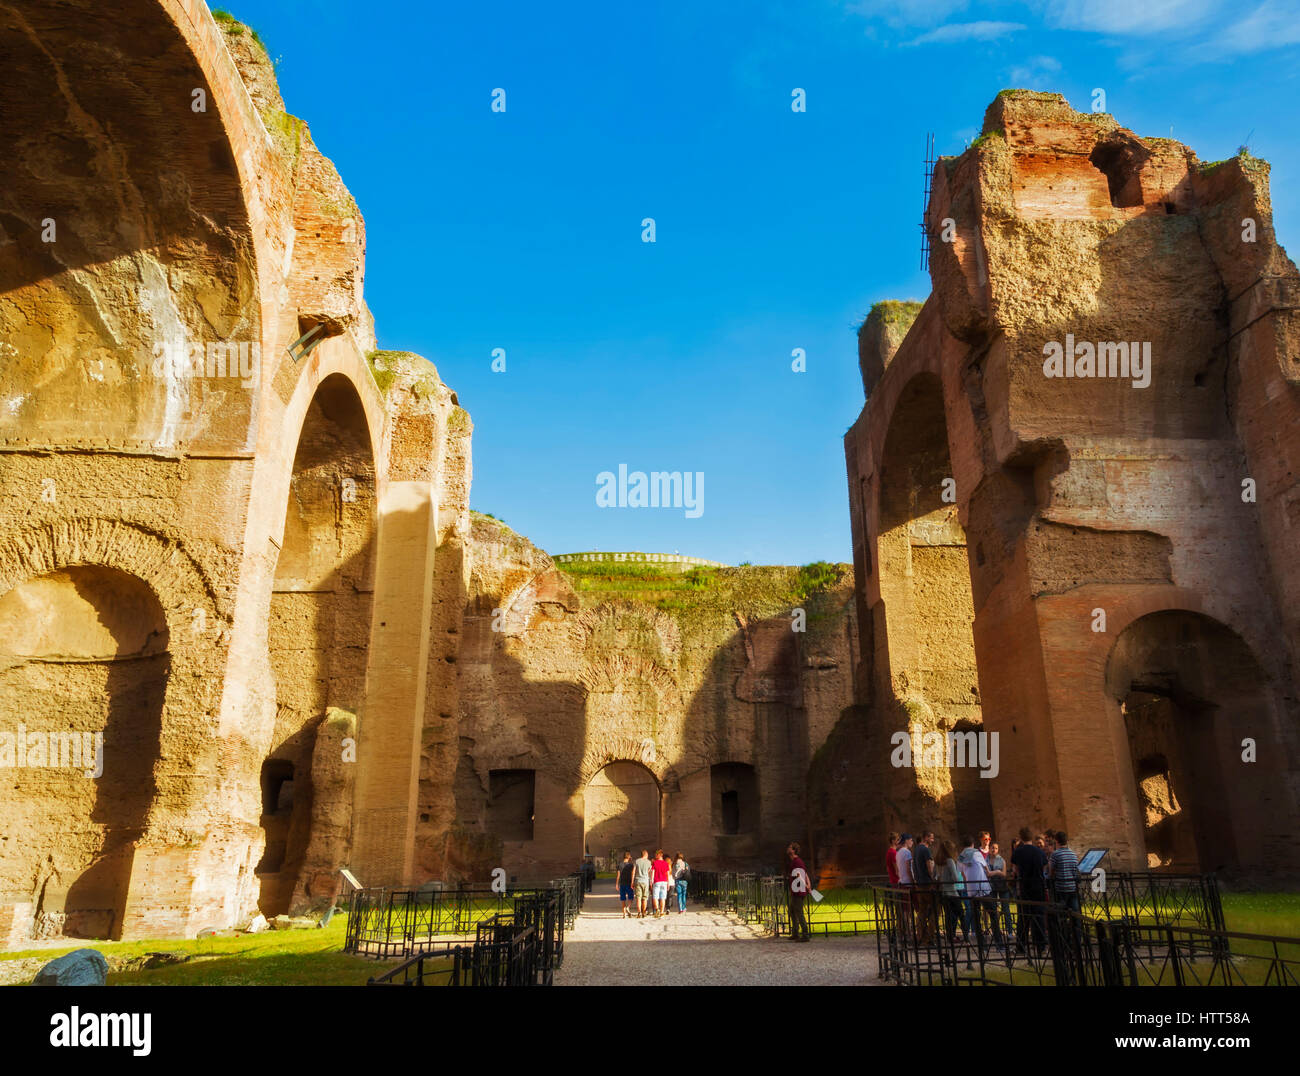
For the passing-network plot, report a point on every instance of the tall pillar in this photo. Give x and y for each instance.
(389, 728)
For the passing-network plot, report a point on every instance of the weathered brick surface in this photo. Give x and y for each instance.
(1089, 495)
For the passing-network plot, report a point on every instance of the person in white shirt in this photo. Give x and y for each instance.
(903, 862)
(904, 859)
(975, 869)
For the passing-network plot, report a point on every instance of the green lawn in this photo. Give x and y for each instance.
(1263, 913)
(275, 957)
(1244, 913)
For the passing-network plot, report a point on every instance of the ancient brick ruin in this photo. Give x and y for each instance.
(250, 571)
(1103, 572)
(254, 571)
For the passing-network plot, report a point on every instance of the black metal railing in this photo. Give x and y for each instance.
(1175, 899)
(1007, 941)
(390, 923)
(845, 907)
(506, 952)
(440, 966)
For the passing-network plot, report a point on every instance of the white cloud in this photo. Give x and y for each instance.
(1269, 26)
(906, 12)
(1036, 73)
(1140, 17)
(967, 31)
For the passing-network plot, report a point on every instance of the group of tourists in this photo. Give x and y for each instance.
(974, 886)
(646, 883)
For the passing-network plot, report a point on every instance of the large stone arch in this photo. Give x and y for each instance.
(622, 807)
(318, 639)
(925, 649)
(122, 633)
(131, 224)
(627, 749)
(1204, 776)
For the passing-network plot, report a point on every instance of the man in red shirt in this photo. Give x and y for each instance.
(891, 859)
(659, 871)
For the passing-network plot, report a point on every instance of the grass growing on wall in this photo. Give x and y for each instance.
(235, 28)
(705, 594)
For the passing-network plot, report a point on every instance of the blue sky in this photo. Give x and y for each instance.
(774, 230)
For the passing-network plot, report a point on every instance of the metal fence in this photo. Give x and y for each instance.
(1176, 899)
(740, 893)
(506, 952)
(1017, 942)
(847, 904)
(847, 908)
(404, 922)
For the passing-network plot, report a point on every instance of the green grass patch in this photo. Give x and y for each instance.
(644, 581)
(815, 577)
(1262, 913)
(383, 378)
(896, 311)
(235, 28)
(272, 958)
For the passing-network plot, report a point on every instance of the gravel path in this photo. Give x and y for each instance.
(702, 948)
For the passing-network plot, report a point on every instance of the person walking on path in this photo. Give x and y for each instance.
(659, 871)
(682, 876)
(799, 886)
(625, 891)
(641, 882)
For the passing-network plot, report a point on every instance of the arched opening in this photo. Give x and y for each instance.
(319, 625)
(925, 589)
(83, 676)
(733, 788)
(1121, 161)
(1191, 694)
(511, 804)
(621, 810)
(124, 236)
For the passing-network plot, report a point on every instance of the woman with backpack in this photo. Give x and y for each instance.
(681, 875)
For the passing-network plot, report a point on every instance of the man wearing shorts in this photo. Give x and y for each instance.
(641, 882)
(659, 871)
(625, 894)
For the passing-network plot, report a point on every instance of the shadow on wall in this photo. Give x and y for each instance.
(122, 227)
(750, 733)
(318, 636)
(1192, 695)
(82, 653)
(509, 725)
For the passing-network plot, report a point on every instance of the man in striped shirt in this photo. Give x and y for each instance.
(1063, 873)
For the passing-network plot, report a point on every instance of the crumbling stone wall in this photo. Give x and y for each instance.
(166, 232)
(587, 688)
(1089, 503)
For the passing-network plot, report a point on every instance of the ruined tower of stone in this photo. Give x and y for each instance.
(1102, 567)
